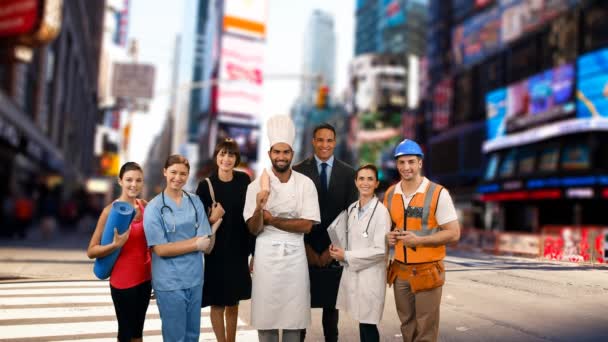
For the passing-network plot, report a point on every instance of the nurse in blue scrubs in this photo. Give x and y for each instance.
(177, 231)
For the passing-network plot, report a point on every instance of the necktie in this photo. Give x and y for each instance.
(324, 176)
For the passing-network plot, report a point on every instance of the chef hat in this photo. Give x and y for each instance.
(280, 130)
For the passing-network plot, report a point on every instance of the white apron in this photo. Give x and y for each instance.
(280, 294)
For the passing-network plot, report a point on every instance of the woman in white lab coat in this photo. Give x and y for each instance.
(362, 287)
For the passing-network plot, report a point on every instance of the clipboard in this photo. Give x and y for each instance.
(338, 230)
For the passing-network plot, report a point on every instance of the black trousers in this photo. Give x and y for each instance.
(330, 325)
(368, 332)
(131, 305)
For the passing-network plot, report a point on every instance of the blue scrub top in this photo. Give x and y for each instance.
(183, 271)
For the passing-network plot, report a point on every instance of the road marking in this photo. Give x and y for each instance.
(462, 328)
(78, 310)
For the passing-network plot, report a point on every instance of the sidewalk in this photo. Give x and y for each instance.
(63, 256)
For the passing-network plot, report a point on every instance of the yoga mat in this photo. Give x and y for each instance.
(120, 217)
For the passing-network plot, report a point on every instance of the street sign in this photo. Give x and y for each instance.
(133, 80)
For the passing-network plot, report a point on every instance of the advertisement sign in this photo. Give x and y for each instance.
(393, 13)
(573, 244)
(18, 17)
(246, 136)
(507, 21)
(133, 80)
(521, 16)
(442, 104)
(541, 98)
(241, 75)
(477, 37)
(246, 17)
(592, 85)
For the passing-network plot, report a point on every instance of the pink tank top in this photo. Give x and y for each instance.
(133, 265)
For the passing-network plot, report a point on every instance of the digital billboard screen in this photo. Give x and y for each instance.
(508, 20)
(393, 13)
(246, 136)
(592, 80)
(544, 97)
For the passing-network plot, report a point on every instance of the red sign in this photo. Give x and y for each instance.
(17, 17)
(574, 244)
(442, 102)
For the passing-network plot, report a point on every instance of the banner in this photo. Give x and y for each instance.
(574, 244)
(241, 76)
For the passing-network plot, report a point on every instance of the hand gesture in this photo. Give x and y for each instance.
(325, 258)
(120, 239)
(391, 237)
(267, 217)
(409, 239)
(265, 181)
(217, 212)
(261, 199)
(336, 252)
(203, 243)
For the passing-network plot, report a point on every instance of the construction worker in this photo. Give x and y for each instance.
(424, 221)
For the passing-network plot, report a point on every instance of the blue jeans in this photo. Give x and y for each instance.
(180, 313)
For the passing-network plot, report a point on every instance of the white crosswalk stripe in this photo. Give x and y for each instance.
(78, 311)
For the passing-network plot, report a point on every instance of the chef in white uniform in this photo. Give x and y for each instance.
(363, 284)
(280, 207)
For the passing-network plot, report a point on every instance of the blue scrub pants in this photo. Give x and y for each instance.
(180, 313)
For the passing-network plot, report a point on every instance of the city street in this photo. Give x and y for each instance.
(49, 293)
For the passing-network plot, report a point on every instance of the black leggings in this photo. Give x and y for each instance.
(131, 305)
(368, 332)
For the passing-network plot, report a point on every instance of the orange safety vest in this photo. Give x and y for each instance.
(419, 218)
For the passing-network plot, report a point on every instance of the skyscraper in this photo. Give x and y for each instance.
(319, 53)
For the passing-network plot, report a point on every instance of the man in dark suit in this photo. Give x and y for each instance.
(335, 182)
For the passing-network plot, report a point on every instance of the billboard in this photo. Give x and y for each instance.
(442, 104)
(246, 17)
(522, 16)
(477, 37)
(494, 28)
(246, 136)
(393, 13)
(18, 17)
(241, 76)
(133, 80)
(574, 244)
(544, 97)
(592, 85)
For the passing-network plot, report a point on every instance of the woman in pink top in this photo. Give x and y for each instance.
(130, 278)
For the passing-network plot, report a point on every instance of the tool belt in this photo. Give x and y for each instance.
(422, 277)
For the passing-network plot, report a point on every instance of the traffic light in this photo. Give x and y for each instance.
(109, 164)
(322, 97)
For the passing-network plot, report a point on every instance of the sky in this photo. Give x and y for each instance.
(155, 25)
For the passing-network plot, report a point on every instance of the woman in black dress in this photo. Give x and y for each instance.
(227, 277)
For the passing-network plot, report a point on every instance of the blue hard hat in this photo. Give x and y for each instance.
(408, 148)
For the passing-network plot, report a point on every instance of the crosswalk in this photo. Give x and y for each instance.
(78, 311)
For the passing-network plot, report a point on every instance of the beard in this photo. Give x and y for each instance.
(281, 169)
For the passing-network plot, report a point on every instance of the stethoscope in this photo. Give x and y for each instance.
(365, 234)
(165, 206)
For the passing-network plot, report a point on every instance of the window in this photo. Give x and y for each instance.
(575, 157)
(548, 159)
(491, 167)
(507, 168)
(527, 159)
